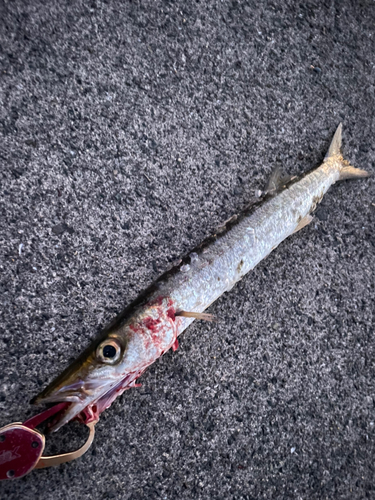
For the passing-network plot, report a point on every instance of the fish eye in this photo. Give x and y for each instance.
(109, 351)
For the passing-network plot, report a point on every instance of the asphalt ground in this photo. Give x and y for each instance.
(129, 132)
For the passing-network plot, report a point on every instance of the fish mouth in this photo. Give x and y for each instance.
(84, 398)
(88, 398)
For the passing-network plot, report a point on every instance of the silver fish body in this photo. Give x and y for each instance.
(151, 326)
(237, 252)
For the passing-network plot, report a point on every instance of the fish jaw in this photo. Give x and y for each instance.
(83, 398)
(86, 407)
(92, 411)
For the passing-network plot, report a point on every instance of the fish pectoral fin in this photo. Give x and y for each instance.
(196, 315)
(303, 222)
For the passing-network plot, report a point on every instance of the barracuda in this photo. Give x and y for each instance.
(150, 326)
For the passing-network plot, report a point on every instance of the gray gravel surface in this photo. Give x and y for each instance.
(129, 131)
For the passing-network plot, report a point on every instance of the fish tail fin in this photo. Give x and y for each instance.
(347, 171)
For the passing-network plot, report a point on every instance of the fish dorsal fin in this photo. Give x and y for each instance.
(274, 181)
(277, 181)
(335, 146)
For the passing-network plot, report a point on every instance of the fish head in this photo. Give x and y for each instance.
(91, 382)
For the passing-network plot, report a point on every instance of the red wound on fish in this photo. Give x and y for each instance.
(152, 324)
(171, 313)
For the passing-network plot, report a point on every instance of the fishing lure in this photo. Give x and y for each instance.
(150, 326)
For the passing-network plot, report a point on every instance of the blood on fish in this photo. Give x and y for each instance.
(89, 414)
(171, 313)
(152, 324)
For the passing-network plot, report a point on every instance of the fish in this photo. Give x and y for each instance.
(151, 325)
